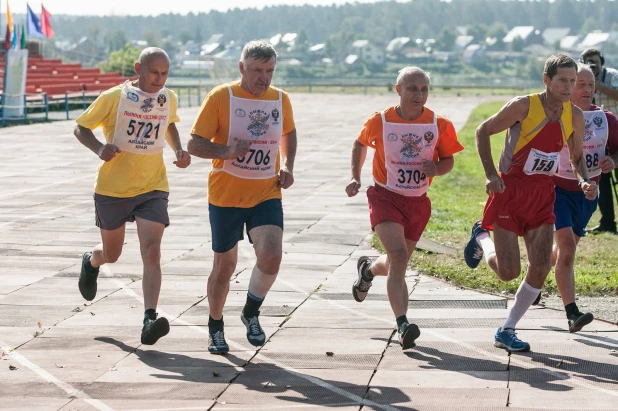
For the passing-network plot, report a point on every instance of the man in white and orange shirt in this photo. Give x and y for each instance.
(138, 118)
(247, 128)
(412, 145)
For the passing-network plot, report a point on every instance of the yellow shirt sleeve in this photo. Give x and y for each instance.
(173, 107)
(102, 113)
(207, 121)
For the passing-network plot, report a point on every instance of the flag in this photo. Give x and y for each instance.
(9, 27)
(46, 27)
(9, 17)
(23, 44)
(14, 37)
(34, 25)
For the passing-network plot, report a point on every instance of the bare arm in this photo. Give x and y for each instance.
(514, 111)
(104, 151)
(576, 145)
(202, 147)
(576, 154)
(442, 167)
(359, 154)
(608, 91)
(183, 159)
(288, 150)
(288, 154)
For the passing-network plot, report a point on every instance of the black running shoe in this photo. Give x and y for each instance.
(578, 321)
(88, 278)
(216, 342)
(407, 334)
(255, 334)
(361, 286)
(154, 328)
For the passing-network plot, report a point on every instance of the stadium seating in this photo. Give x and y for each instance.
(54, 77)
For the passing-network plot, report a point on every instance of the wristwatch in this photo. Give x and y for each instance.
(582, 181)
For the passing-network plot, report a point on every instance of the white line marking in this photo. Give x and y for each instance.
(69, 389)
(44, 212)
(357, 400)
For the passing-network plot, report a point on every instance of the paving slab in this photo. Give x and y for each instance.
(323, 351)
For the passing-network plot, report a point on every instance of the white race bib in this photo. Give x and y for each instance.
(539, 162)
(141, 120)
(405, 147)
(596, 133)
(261, 122)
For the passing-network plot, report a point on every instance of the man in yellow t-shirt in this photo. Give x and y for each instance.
(137, 117)
(247, 128)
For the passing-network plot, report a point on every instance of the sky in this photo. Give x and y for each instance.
(151, 7)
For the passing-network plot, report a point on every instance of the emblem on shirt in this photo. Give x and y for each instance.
(392, 137)
(258, 127)
(588, 133)
(148, 106)
(411, 145)
(275, 115)
(161, 99)
(598, 121)
(428, 137)
(240, 112)
(132, 96)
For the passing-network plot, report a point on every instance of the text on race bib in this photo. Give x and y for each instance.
(539, 162)
(412, 175)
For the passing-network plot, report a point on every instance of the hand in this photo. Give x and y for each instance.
(590, 190)
(183, 159)
(286, 178)
(429, 168)
(352, 188)
(239, 149)
(494, 185)
(108, 151)
(607, 164)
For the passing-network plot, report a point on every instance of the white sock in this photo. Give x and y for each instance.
(260, 283)
(526, 294)
(487, 244)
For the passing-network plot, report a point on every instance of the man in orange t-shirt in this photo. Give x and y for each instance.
(248, 129)
(412, 144)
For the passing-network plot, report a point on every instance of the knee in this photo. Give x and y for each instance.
(566, 255)
(539, 270)
(111, 257)
(507, 274)
(269, 262)
(222, 270)
(151, 254)
(398, 257)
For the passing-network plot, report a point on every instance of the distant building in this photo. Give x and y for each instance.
(367, 52)
(554, 34)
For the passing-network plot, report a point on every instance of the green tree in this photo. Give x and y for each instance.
(153, 38)
(122, 60)
(518, 44)
(446, 39)
(302, 42)
(590, 24)
(478, 31)
(185, 36)
(115, 40)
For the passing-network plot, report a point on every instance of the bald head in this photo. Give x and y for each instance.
(152, 67)
(411, 71)
(152, 52)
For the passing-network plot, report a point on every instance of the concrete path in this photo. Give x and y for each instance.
(324, 349)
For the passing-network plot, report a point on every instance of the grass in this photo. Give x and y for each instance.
(458, 200)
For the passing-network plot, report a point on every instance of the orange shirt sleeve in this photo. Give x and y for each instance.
(288, 114)
(447, 143)
(207, 121)
(371, 131)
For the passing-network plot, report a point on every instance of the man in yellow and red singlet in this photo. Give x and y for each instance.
(247, 128)
(137, 118)
(412, 144)
(522, 195)
(572, 209)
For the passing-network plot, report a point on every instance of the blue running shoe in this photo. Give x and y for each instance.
(508, 339)
(255, 333)
(473, 253)
(216, 342)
